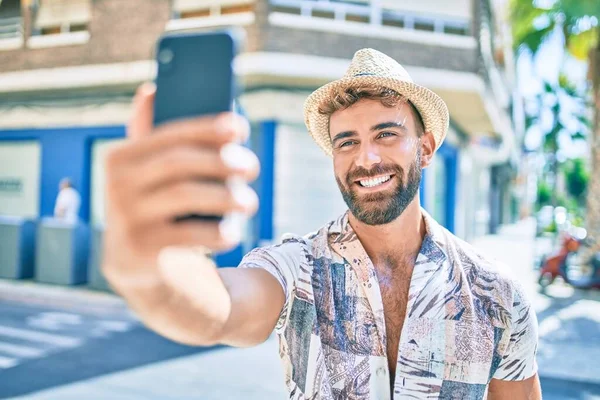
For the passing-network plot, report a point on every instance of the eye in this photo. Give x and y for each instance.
(347, 143)
(387, 134)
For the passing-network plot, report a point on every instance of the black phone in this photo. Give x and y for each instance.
(195, 74)
(196, 77)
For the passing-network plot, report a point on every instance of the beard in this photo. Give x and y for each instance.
(382, 208)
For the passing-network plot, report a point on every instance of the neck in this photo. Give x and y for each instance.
(399, 239)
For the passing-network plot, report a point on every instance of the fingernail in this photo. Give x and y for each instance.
(148, 88)
(231, 227)
(240, 191)
(236, 157)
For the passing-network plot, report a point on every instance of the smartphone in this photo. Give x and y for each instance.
(195, 77)
(195, 74)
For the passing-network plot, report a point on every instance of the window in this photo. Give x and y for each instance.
(62, 16)
(60, 23)
(189, 14)
(11, 25)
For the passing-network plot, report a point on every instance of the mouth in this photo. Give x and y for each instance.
(376, 183)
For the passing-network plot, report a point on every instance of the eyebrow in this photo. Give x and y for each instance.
(344, 135)
(386, 125)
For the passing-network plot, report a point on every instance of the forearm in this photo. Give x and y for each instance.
(528, 389)
(181, 310)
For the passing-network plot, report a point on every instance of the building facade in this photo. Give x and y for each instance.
(69, 68)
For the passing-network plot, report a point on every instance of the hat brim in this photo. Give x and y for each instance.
(432, 108)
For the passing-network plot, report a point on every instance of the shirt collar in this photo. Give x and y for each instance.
(432, 248)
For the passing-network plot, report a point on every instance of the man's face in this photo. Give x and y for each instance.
(377, 159)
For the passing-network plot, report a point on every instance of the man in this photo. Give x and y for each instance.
(67, 202)
(381, 303)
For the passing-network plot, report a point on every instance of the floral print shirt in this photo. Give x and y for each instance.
(466, 321)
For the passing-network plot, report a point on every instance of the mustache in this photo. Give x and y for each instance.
(362, 173)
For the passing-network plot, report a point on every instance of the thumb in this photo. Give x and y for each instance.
(141, 122)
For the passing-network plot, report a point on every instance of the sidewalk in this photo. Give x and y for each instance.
(569, 319)
(227, 373)
(569, 323)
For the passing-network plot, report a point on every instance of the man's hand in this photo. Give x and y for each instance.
(158, 265)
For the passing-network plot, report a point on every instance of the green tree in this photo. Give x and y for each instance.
(555, 98)
(577, 21)
(577, 178)
(544, 194)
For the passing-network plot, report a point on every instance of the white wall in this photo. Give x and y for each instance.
(306, 193)
(474, 197)
(100, 149)
(20, 178)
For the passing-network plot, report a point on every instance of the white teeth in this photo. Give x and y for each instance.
(375, 181)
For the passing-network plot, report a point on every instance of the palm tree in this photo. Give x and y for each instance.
(554, 97)
(533, 21)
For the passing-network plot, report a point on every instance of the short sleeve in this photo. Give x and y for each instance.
(519, 359)
(281, 261)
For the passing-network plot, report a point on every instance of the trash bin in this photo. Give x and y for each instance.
(17, 247)
(61, 252)
(95, 278)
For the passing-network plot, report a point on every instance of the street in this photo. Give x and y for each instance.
(62, 351)
(48, 346)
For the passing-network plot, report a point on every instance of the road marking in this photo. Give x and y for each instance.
(6, 362)
(115, 326)
(57, 340)
(54, 321)
(20, 351)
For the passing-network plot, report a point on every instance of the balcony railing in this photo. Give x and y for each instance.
(374, 13)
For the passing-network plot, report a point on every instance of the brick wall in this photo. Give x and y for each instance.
(298, 41)
(120, 31)
(301, 41)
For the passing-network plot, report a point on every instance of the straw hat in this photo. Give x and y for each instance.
(372, 68)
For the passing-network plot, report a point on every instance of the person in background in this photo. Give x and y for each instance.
(67, 202)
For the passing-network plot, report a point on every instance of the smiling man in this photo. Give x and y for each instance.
(381, 303)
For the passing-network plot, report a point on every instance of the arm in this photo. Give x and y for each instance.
(59, 209)
(516, 377)
(528, 389)
(182, 168)
(205, 306)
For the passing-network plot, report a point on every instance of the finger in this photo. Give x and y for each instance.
(194, 198)
(212, 131)
(216, 129)
(141, 123)
(213, 235)
(189, 163)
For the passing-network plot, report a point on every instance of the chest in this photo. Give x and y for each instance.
(394, 289)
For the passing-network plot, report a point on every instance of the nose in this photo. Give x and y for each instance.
(368, 156)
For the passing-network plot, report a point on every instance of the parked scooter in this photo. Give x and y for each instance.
(560, 264)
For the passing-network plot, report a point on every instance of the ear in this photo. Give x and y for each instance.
(427, 149)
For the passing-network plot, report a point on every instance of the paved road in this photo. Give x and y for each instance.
(47, 346)
(54, 352)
